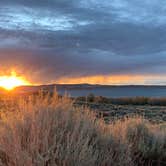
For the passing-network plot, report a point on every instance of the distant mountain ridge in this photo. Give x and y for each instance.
(76, 90)
(51, 87)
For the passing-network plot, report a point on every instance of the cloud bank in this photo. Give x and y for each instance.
(55, 40)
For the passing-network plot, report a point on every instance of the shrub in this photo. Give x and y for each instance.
(147, 141)
(46, 130)
(43, 130)
(90, 97)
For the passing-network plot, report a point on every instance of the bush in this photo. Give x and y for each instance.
(147, 142)
(124, 100)
(90, 97)
(44, 130)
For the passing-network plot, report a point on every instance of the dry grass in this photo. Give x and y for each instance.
(161, 101)
(147, 142)
(48, 131)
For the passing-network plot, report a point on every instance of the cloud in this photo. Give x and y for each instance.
(131, 11)
(72, 39)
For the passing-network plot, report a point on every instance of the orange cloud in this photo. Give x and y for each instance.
(31, 78)
(113, 80)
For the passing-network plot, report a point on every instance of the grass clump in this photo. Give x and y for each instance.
(44, 130)
(147, 142)
(124, 100)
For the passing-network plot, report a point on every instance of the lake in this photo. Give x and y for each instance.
(119, 91)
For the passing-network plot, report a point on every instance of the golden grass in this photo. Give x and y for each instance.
(48, 131)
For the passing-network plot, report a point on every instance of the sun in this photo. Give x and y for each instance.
(9, 82)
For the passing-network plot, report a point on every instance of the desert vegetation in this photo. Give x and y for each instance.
(48, 130)
(160, 101)
(113, 112)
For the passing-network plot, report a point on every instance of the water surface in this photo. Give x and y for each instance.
(116, 92)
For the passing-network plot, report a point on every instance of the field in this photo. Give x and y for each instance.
(112, 112)
(48, 130)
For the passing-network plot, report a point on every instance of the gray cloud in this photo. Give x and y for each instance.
(69, 38)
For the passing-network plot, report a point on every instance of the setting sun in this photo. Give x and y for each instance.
(11, 81)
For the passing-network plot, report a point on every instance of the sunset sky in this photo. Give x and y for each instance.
(84, 41)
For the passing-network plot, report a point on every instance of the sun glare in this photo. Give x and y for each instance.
(11, 81)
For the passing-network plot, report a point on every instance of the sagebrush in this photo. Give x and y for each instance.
(44, 130)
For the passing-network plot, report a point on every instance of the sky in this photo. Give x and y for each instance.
(84, 41)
